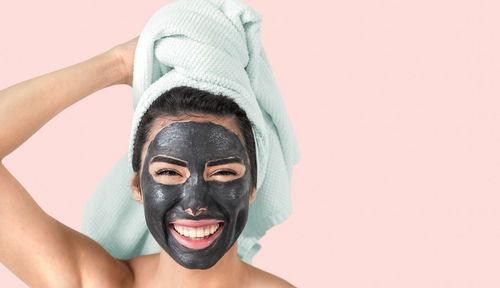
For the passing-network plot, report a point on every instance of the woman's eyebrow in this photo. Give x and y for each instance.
(170, 160)
(224, 161)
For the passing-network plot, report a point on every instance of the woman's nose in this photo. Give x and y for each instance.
(197, 212)
(195, 196)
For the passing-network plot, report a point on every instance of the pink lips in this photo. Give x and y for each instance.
(185, 226)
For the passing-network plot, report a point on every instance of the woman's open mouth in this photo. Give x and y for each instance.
(196, 234)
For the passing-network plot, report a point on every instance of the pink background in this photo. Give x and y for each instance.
(395, 105)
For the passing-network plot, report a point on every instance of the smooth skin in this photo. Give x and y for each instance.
(43, 252)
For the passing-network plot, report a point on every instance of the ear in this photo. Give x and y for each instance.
(253, 194)
(136, 191)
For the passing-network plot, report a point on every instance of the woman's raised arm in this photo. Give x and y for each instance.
(27, 106)
(38, 249)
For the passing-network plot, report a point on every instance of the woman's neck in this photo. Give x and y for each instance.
(229, 271)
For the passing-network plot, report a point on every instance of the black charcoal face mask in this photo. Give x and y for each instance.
(197, 221)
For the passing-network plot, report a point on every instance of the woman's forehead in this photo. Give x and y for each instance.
(169, 130)
(196, 137)
(161, 122)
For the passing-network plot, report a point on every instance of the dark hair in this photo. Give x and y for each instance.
(185, 100)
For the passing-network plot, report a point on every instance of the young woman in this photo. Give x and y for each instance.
(195, 175)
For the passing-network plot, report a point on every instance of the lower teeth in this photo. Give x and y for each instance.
(199, 238)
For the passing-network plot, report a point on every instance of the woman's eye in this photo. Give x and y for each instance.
(168, 173)
(225, 173)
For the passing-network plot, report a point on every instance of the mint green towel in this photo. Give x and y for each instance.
(212, 45)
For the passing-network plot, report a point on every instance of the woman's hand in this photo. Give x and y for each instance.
(125, 53)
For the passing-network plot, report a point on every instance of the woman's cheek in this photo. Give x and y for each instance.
(161, 198)
(234, 193)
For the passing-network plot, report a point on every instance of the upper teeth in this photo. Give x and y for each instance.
(196, 232)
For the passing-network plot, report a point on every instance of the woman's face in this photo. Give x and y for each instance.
(196, 188)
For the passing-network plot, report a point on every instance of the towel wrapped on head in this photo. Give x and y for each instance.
(211, 45)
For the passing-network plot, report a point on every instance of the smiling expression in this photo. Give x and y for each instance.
(196, 186)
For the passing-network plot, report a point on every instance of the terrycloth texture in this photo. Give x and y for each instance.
(212, 45)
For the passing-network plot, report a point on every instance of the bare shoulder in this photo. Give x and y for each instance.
(142, 262)
(142, 268)
(261, 278)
